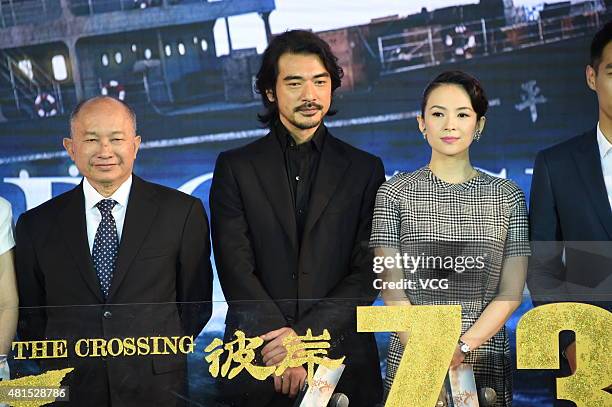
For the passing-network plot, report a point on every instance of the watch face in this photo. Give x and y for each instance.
(465, 348)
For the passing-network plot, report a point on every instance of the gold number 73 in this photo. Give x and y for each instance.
(433, 332)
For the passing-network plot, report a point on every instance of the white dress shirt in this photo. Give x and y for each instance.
(6, 243)
(92, 213)
(6, 231)
(605, 153)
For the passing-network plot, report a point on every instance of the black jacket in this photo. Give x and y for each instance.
(571, 225)
(163, 259)
(270, 281)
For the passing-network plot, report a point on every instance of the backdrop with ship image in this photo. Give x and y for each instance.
(160, 56)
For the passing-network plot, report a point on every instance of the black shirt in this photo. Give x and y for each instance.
(301, 163)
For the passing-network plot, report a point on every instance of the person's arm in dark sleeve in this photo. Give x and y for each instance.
(546, 272)
(235, 257)
(194, 275)
(30, 286)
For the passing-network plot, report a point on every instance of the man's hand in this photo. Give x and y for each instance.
(274, 352)
(291, 381)
(4, 368)
(570, 355)
(458, 358)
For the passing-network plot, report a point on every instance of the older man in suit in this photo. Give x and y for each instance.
(115, 257)
(291, 216)
(571, 208)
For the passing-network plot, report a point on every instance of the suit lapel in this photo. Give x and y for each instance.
(72, 221)
(589, 166)
(269, 165)
(140, 214)
(332, 166)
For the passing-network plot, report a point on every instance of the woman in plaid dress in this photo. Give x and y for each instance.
(446, 213)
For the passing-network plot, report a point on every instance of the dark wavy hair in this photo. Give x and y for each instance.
(600, 40)
(471, 85)
(294, 42)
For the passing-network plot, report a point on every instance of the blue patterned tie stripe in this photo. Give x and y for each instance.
(106, 245)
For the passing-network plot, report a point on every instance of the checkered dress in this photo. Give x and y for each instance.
(421, 215)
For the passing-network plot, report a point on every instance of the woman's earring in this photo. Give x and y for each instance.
(424, 134)
(477, 135)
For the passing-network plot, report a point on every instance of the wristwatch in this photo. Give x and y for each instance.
(464, 348)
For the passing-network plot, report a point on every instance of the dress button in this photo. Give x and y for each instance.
(297, 177)
(108, 314)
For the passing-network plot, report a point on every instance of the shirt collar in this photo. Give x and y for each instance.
(283, 136)
(605, 147)
(92, 197)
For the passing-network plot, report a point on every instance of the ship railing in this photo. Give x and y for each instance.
(29, 82)
(90, 7)
(19, 92)
(427, 46)
(22, 12)
(43, 77)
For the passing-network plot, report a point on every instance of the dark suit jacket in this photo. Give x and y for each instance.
(164, 258)
(270, 282)
(570, 212)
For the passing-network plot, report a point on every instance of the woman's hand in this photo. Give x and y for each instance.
(403, 337)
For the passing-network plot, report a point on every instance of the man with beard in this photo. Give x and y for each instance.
(291, 216)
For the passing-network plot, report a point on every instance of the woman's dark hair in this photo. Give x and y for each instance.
(470, 84)
(294, 42)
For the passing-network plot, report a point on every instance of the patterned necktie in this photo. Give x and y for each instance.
(106, 245)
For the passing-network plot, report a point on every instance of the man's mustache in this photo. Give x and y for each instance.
(308, 106)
